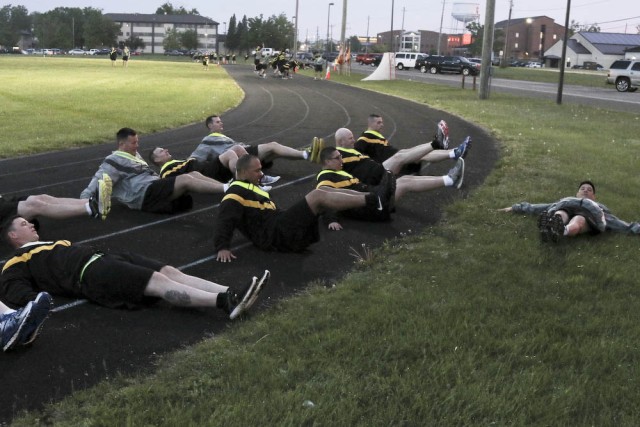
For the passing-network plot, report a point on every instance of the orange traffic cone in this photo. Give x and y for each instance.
(328, 76)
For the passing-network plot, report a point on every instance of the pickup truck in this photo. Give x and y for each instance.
(447, 64)
(625, 74)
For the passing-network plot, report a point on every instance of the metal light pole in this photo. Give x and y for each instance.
(505, 56)
(326, 48)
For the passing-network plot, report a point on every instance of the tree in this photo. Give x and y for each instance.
(189, 39)
(171, 40)
(13, 20)
(168, 9)
(355, 44)
(232, 43)
(99, 30)
(134, 43)
(576, 27)
(477, 35)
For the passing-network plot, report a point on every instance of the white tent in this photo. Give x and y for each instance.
(386, 70)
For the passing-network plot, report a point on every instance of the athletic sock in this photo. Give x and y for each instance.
(448, 182)
(87, 206)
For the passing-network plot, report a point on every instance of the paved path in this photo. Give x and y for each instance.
(86, 343)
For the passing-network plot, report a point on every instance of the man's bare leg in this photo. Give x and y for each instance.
(407, 156)
(417, 184)
(273, 150)
(52, 207)
(196, 183)
(192, 281)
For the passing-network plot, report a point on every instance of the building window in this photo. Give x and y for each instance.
(517, 35)
(515, 45)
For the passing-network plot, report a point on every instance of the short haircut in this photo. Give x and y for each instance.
(125, 133)
(243, 162)
(326, 152)
(6, 227)
(341, 134)
(209, 120)
(589, 183)
(152, 156)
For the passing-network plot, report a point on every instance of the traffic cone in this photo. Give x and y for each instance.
(328, 76)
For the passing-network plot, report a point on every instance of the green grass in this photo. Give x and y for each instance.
(471, 322)
(551, 75)
(53, 103)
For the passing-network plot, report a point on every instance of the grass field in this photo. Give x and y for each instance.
(473, 322)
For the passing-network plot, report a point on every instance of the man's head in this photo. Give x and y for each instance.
(16, 231)
(214, 123)
(375, 122)
(586, 190)
(344, 138)
(127, 140)
(249, 168)
(159, 156)
(330, 158)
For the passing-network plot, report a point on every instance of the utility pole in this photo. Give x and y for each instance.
(366, 47)
(505, 56)
(487, 48)
(295, 34)
(440, 33)
(391, 35)
(564, 53)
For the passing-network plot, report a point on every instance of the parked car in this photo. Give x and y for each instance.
(625, 74)
(407, 59)
(103, 51)
(364, 58)
(174, 52)
(372, 59)
(304, 58)
(77, 52)
(448, 64)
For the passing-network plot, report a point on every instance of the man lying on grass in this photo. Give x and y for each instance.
(571, 216)
(112, 280)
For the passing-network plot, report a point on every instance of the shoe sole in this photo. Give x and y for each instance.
(239, 309)
(461, 179)
(315, 149)
(16, 335)
(261, 283)
(543, 226)
(467, 147)
(105, 186)
(556, 228)
(39, 313)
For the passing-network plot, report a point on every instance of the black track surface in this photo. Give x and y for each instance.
(82, 345)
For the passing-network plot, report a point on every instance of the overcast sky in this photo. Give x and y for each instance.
(364, 19)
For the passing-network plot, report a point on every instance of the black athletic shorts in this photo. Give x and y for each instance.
(253, 150)
(119, 280)
(294, 229)
(213, 169)
(158, 195)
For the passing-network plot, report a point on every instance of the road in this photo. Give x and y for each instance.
(608, 97)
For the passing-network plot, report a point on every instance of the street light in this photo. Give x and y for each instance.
(328, 17)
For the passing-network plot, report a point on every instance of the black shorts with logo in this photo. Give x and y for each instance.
(157, 198)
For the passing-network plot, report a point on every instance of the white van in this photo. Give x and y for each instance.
(407, 59)
(266, 52)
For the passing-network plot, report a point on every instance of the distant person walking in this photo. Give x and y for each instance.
(125, 56)
(113, 55)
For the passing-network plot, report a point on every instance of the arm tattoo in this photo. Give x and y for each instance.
(177, 298)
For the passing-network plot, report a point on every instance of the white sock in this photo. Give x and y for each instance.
(452, 154)
(225, 187)
(87, 206)
(305, 154)
(448, 182)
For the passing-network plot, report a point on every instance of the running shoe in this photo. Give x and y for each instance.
(100, 204)
(39, 312)
(259, 287)
(462, 149)
(457, 173)
(269, 180)
(442, 136)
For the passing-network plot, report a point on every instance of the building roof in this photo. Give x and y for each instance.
(612, 43)
(516, 21)
(577, 47)
(161, 19)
